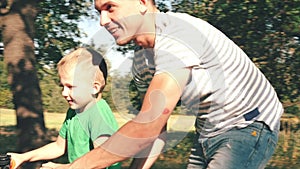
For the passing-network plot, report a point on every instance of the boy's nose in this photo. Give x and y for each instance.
(65, 92)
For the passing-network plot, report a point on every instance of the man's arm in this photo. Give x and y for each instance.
(99, 141)
(146, 158)
(162, 96)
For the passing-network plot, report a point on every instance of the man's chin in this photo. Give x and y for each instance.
(122, 42)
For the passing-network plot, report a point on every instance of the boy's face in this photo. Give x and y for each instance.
(77, 89)
(122, 18)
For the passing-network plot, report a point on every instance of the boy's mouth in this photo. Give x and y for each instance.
(70, 101)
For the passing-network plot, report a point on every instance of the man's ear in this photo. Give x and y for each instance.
(143, 6)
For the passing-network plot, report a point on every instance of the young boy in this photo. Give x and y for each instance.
(89, 121)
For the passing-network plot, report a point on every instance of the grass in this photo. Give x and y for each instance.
(287, 154)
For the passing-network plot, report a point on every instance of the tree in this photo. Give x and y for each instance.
(18, 31)
(35, 33)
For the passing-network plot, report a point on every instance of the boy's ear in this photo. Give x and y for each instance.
(97, 87)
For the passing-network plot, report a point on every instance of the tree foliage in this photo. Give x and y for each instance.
(57, 27)
(4, 88)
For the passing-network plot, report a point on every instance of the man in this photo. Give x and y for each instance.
(237, 109)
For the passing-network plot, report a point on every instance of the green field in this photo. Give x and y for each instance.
(287, 155)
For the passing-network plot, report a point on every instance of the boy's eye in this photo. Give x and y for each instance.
(67, 86)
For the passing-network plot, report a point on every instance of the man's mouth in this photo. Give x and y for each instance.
(113, 30)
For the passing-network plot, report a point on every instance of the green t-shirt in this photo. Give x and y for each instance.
(80, 130)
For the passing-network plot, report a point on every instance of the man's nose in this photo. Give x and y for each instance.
(104, 18)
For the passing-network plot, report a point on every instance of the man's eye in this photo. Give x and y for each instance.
(108, 7)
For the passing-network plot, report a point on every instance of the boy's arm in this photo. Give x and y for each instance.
(162, 96)
(47, 152)
(96, 143)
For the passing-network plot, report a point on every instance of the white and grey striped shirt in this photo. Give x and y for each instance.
(225, 90)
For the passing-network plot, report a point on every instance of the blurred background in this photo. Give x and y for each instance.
(34, 35)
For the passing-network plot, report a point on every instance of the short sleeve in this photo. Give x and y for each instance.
(103, 122)
(174, 46)
(64, 127)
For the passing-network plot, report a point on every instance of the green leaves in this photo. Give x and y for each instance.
(57, 27)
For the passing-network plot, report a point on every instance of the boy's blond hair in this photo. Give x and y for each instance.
(86, 61)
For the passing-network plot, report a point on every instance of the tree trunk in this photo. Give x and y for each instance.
(18, 33)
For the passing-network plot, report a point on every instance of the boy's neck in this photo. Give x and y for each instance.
(91, 104)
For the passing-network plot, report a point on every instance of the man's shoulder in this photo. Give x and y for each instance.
(179, 24)
(177, 16)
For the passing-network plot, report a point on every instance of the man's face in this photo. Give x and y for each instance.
(122, 18)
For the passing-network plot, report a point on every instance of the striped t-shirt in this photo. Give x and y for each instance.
(225, 89)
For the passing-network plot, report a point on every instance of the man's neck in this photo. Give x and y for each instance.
(146, 41)
(147, 32)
